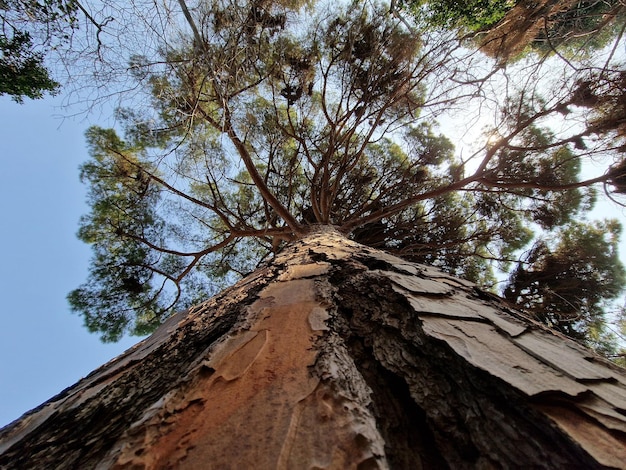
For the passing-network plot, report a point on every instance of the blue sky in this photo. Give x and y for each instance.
(43, 346)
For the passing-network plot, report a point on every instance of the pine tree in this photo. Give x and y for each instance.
(283, 144)
(268, 117)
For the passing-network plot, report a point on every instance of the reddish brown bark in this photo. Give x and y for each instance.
(337, 356)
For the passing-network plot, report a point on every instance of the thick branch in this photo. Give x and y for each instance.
(191, 22)
(542, 186)
(351, 224)
(281, 210)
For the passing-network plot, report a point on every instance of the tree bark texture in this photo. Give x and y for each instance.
(337, 356)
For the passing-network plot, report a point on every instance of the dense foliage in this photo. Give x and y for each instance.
(474, 15)
(28, 30)
(565, 280)
(260, 118)
(22, 72)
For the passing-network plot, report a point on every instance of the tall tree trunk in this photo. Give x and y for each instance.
(337, 356)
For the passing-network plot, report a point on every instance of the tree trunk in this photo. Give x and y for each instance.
(337, 356)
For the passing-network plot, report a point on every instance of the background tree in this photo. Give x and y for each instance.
(562, 281)
(22, 71)
(29, 29)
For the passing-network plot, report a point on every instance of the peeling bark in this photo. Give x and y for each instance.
(337, 356)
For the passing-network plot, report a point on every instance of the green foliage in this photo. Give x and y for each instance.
(529, 158)
(566, 280)
(123, 204)
(22, 72)
(28, 30)
(474, 15)
(148, 258)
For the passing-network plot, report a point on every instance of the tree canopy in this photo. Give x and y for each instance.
(246, 122)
